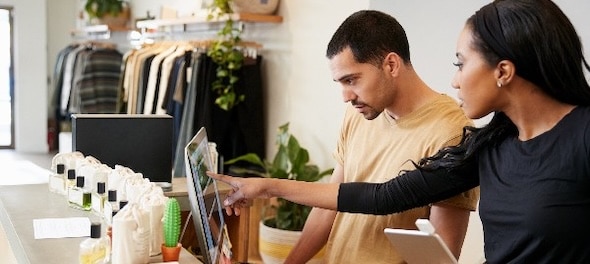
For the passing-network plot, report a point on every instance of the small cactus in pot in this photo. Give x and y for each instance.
(171, 228)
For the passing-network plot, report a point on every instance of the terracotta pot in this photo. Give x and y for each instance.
(171, 253)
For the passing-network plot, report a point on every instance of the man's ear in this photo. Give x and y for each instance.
(505, 72)
(392, 63)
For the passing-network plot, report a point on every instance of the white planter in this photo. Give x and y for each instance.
(275, 244)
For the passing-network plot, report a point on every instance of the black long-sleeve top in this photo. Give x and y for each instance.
(535, 194)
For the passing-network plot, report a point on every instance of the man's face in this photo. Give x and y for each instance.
(363, 85)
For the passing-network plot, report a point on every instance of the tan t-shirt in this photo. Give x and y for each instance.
(378, 150)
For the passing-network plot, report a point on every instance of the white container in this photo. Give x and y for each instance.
(275, 244)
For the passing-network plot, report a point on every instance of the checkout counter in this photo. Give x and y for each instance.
(20, 204)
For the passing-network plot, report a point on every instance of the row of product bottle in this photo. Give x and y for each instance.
(95, 249)
(89, 185)
(78, 195)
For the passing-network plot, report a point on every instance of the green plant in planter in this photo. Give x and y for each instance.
(171, 223)
(100, 8)
(223, 52)
(291, 161)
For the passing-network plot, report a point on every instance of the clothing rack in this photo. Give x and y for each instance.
(249, 49)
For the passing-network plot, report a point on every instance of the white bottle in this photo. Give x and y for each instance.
(57, 180)
(70, 180)
(99, 198)
(79, 197)
(111, 207)
(96, 249)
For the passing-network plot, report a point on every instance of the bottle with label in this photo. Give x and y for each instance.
(110, 210)
(111, 207)
(79, 197)
(57, 180)
(95, 249)
(99, 198)
(71, 180)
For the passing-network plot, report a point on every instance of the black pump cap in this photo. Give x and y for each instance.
(100, 187)
(80, 181)
(71, 174)
(60, 168)
(95, 230)
(122, 204)
(112, 195)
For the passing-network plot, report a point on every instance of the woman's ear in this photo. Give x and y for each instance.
(504, 72)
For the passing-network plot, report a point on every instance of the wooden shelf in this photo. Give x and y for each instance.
(242, 17)
(97, 30)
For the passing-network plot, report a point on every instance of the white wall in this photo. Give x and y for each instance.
(30, 74)
(61, 20)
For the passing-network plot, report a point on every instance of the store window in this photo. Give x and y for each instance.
(6, 79)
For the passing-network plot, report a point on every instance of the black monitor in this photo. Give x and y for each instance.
(140, 142)
(206, 209)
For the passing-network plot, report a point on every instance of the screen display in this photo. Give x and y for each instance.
(206, 208)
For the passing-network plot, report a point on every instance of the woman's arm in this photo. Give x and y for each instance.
(315, 194)
(412, 189)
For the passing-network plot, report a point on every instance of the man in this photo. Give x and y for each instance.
(401, 120)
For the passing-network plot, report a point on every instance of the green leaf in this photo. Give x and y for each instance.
(233, 80)
(222, 73)
(250, 157)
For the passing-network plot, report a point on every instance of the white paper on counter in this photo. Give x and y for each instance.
(61, 227)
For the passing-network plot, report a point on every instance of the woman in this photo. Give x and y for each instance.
(522, 60)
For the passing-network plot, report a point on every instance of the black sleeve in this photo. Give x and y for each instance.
(410, 190)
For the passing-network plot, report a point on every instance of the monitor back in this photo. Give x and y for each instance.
(140, 142)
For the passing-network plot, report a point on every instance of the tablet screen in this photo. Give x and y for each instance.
(206, 208)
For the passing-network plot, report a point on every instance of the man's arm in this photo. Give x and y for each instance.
(450, 224)
(316, 230)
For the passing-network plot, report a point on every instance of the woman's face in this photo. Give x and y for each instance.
(478, 90)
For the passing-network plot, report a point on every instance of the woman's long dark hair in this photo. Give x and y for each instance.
(542, 43)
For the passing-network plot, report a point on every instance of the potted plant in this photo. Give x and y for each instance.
(110, 12)
(171, 227)
(224, 53)
(291, 161)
